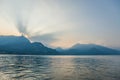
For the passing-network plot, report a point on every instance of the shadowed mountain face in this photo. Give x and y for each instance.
(21, 45)
(88, 49)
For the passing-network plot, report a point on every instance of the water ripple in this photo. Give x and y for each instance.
(59, 67)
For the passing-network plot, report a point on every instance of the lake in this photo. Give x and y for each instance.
(38, 67)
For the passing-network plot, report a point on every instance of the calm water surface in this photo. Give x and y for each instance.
(59, 67)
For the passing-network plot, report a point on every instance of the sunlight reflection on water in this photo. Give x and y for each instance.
(59, 67)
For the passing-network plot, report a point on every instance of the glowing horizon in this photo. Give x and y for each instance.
(60, 23)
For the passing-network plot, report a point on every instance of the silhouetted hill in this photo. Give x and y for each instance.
(21, 45)
(88, 49)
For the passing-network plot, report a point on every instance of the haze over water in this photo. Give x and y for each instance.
(59, 67)
(59, 24)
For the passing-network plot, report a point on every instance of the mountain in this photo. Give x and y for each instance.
(22, 45)
(88, 49)
(59, 49)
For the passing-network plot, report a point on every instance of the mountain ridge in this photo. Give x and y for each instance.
(88, 49)
(23, 46)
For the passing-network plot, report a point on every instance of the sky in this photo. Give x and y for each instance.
(62, 23)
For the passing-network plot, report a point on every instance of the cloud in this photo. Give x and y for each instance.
(47, 38)
(19, 12)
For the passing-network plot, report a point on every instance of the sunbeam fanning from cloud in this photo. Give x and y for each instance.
(32, 17)
(62, 22)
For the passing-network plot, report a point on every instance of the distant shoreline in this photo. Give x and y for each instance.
(57, 55)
